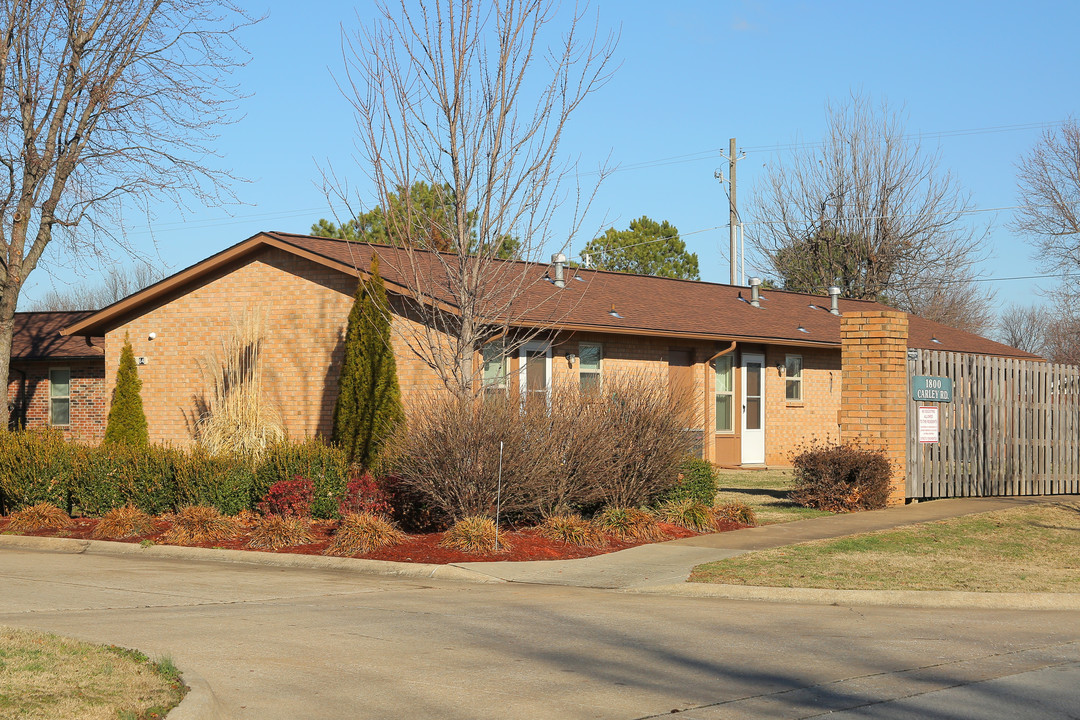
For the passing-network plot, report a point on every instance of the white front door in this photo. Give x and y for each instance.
(753, 409)
(535, 364)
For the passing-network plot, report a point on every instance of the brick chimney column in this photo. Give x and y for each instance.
(873, 400)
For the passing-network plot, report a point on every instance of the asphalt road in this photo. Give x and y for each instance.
(296, 643)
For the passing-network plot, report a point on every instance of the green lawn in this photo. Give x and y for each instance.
(1026, 549)
(45, 677)
(765, 491)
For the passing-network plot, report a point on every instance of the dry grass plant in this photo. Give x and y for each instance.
(41, 516)
(273, 532)
(571, 529)
(475, 534)
(736, 512)
(232, 415)
(627, 523)
(199, 524)
(361, 533)
(46, 677)
(689, 513)
(124, 522)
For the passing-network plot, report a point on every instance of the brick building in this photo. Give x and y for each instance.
(765, 368)
(56, 380)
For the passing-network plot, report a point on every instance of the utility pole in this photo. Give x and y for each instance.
(733, 214)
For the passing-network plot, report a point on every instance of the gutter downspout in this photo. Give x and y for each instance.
(710, 447)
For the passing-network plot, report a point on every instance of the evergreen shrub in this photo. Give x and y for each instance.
(696, 481)
(127, 421)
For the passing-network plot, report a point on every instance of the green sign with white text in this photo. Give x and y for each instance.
(926, 388)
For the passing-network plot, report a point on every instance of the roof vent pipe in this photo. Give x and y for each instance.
(755, 291)
(834, 297)
(557, 276)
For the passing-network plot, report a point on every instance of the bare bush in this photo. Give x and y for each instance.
(620, 446)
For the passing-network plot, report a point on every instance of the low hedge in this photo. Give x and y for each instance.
(39, 466)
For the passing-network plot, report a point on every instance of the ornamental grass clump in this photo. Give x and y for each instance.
(627, 523)
(42, 516)
(199, 524)
(273, 532)
(124, 522)
(736, 512)
(361, 533)
(688, 513)
(571, 529)
(475, 534)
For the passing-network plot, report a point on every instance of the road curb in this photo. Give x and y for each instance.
(249, 557)
(200, 703)
(870, 598)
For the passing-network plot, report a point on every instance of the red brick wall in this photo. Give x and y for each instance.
(874, 404)
(28, 394)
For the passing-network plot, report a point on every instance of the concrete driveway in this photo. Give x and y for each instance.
(298, 643)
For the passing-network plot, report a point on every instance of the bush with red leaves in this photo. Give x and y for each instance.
(289, 498)
(364, 494)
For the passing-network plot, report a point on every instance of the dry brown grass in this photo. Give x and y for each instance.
(231, 415)
(274, 531)
(363, 532)
(689, 513)
(1034, 548)
(42, 516)
(736, 512)
(474, 534)
(45, 677)
(629, 524)
(124, 522)
(571, 529)
(199, 524)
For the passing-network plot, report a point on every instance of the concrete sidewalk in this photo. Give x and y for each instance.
(669, 563)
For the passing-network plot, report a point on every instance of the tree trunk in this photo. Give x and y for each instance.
(9, 298)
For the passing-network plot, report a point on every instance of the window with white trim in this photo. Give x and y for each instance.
(725, 398)
(495, 367)
(590, 356)
(59, 396)
(793, 371)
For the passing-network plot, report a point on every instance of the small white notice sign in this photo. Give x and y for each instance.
(928, 424)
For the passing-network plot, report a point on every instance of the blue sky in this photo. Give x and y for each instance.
(693, 75)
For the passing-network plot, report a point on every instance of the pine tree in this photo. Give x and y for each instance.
(368, 407)
(127, 421)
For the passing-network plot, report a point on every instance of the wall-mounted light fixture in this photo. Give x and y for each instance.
(571, 358)
(151, 336)
(779, 369)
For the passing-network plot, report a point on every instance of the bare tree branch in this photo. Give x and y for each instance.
(870, 210)
(1048, 179)
(104, 102)
(471, 98)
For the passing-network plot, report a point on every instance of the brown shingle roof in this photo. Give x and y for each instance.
(645, 305)
(37, 337)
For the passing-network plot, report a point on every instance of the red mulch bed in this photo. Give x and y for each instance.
(524, 544)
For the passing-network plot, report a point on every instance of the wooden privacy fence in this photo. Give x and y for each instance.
(1012, 428)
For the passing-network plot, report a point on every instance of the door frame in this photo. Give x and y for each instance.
(523, 367)
(752, 439)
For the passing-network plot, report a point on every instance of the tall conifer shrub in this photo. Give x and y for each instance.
(368, 407)
(127, 421)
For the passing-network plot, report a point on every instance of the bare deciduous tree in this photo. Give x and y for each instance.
(1049, 331)
(870, 210)
(471, 98)
(1049, 212)
(104, 105)
(116, 285)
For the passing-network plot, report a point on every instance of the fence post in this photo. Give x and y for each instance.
(873, 399)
